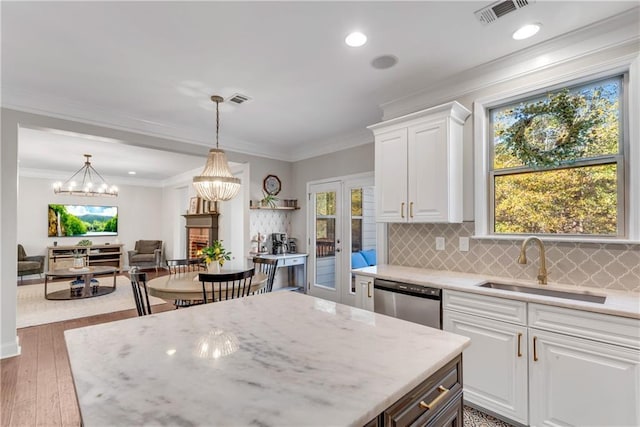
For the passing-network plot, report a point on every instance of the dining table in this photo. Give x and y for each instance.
(187, 286)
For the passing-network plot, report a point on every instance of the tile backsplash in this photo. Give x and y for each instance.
(265, 221)
(596, 265)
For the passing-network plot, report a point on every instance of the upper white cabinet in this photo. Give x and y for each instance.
(418, 165)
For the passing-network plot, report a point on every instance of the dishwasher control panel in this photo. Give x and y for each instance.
(407, 288)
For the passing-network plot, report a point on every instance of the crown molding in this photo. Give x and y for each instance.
(333, 144)
(618, 32)
(67, 109)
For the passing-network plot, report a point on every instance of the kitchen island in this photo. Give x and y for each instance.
(280, 358)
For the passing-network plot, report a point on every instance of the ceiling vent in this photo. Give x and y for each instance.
(496, 10)
(238, 98)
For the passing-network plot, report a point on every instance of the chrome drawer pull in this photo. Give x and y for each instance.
(443, 392)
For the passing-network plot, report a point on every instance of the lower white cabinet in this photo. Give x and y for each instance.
(495, 364)
(561, 367)
(364, 292)
(579, 382)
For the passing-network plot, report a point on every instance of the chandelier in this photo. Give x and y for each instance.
(216, 182)
(93, 184)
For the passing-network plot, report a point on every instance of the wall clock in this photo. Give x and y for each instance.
(272, 185)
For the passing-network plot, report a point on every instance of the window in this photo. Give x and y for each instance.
(356, 219)
(325, 224)
(556, 163)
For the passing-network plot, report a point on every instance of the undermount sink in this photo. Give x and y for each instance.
(598, 299)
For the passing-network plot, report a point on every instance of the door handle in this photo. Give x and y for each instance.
(519, 344)
(369, 289)
(535, 349)
(402, 210)
(411, 210)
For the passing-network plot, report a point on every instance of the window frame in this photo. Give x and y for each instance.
(629, 206)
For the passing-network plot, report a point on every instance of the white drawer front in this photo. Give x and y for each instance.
(485, 306)
(596, 326)
(292, 261)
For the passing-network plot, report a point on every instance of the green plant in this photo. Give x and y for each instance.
(85, 242)
(269, 200)
(216, 252)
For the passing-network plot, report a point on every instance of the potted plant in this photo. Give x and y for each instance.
(78, 259)
(215, 256)
(268, 200)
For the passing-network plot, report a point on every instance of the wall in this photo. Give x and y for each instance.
(610, 266)
(346, 162)
(138, 216)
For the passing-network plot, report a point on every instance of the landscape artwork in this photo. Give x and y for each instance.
(82, 220)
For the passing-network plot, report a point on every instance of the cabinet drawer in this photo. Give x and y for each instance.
(596, 326)
(437, 391)
(292, 261)
(481, 305)
(451, 416)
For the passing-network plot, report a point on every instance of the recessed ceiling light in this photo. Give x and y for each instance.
(355, 39)
(526, 31)
(132, 172)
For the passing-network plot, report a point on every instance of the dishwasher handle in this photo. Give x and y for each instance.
(407, 289)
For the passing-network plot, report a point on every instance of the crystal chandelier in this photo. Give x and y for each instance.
(93, 184)
(216, 182)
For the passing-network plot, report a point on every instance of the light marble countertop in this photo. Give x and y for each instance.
(279, 256)
(294, 360)
(617, 303)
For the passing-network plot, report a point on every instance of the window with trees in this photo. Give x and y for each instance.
(557, 162)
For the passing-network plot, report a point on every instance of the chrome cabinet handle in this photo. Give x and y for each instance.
(443, 392)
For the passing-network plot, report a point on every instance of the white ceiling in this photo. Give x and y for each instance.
(151, 66)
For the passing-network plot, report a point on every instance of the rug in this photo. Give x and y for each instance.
(33, 309)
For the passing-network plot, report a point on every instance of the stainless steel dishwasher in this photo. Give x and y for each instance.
(415, 303)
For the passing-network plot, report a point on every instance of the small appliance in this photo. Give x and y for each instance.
(279, 243)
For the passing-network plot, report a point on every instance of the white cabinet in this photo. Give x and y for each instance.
(418, 165)
(494, 365)
(543, 365)
(364, 292)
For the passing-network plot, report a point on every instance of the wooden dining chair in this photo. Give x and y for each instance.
(140, 293)
(267, 266)
(181, 266)
(226, 286)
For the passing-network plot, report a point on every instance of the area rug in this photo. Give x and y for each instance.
(33, 309)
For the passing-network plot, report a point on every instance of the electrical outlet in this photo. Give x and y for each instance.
(463, 244)
(439, 243)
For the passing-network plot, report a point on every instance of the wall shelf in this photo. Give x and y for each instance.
(277, 208)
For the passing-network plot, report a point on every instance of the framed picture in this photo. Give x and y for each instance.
(193, 206)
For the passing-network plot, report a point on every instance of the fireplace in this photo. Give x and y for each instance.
(202, 230)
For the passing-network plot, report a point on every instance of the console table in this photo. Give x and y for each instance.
(105, 255)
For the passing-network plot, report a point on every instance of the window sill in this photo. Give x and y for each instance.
(567, 239)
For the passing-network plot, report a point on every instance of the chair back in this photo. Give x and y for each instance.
(267, 266)
(21, 253)
(140, 293)
(176, 266)
(226, 286)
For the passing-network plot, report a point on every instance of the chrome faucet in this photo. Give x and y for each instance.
(522, 259)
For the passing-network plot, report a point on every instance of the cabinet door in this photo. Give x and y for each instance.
(494, 365)
(428, 173)
(391, 176)
(364, 292)
(581, 382)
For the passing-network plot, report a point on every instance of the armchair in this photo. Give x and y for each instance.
(146, 254)
(29, 264)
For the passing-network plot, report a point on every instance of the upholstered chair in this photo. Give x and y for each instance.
(146, 254)
(29, 264)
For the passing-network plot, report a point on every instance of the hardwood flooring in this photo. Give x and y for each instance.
(37, 387)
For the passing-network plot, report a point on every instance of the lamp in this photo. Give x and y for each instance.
(216, 182)
(93, 184)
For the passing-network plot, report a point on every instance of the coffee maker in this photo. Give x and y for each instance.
(279, 243)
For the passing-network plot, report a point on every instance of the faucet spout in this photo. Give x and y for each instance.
(522, 259)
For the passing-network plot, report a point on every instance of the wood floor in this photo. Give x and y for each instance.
(36, 387)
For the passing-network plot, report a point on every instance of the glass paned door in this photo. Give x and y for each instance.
(325, 240)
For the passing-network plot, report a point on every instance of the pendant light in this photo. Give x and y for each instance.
(216, 182)
(93, 184)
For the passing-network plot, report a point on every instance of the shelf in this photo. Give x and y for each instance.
(277, 208)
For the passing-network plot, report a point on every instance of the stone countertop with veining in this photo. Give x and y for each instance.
(293, 360)
(617, 303)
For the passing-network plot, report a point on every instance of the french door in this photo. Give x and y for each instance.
(341, 222)
(325, 239)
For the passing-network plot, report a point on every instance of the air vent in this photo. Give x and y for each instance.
(238, 98)
(496, 10)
